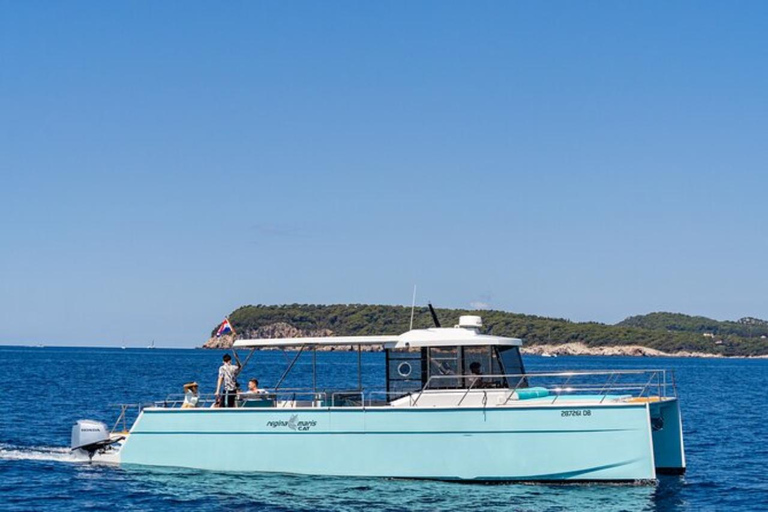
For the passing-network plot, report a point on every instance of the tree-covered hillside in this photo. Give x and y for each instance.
(357, 319)
(746, 327)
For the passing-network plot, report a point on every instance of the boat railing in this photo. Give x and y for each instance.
(282, 398)
(176, 400)
(547, 387)
(122, 419)
(603, 384)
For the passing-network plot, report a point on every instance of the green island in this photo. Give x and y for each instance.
(652, 334)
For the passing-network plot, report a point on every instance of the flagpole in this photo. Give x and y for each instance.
(234, 351)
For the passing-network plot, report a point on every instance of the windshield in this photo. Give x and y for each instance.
(513, 365)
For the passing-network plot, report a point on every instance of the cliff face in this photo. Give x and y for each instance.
(270, 331)
(223, 342)
(580, 349)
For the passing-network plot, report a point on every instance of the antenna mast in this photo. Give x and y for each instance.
(413, 306)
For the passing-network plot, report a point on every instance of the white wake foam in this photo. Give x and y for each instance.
(49, 453)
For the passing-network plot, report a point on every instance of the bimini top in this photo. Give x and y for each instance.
(464, 334)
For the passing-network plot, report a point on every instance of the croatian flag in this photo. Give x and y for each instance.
(225, 328)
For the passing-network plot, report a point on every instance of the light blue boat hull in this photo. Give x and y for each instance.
(536, 443)
(668, 449)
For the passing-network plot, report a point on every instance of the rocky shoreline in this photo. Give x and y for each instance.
(580, 349)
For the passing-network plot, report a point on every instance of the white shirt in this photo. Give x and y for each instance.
(190, 399)
(229, 373)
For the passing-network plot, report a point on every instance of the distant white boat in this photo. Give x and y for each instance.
(151, 345)
(547, 354)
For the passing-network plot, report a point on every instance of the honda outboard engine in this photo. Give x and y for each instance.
(91, 436)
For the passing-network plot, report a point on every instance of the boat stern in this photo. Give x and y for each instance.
(667, 433)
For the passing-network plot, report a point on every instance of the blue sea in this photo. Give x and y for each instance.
(45, 390)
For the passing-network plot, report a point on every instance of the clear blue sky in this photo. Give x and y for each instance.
(162, 163)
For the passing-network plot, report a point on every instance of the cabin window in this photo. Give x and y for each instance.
(482, 368)
(405, 372)
(476, 367)
(512, 364)
(444, 368)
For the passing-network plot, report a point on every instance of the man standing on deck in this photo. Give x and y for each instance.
(228, 379)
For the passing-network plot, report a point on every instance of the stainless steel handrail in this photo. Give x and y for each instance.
(636, 383)
(122, 417)
(282, 397)
(612, 383)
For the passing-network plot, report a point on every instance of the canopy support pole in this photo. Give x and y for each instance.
(290, 366)
(314, 369)
(248, 357)
(360, 367)
(237, 357)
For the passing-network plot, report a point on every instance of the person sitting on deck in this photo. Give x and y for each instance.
(227, 382)
(191, 397)
(253, 390)
(255, 396)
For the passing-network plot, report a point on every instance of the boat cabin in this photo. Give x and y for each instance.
(437, 358)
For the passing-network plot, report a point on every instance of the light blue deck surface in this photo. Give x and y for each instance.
(573, 398)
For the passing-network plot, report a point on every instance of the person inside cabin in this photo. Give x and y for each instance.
(476, 375)
(191, 396)
(226, 386)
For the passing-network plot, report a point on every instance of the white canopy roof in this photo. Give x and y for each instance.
(434, 337)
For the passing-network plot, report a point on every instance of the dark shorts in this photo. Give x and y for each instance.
(227, 399)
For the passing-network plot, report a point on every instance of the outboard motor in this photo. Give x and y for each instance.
(91, 436)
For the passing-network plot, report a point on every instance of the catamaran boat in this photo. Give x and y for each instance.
(458, 405)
